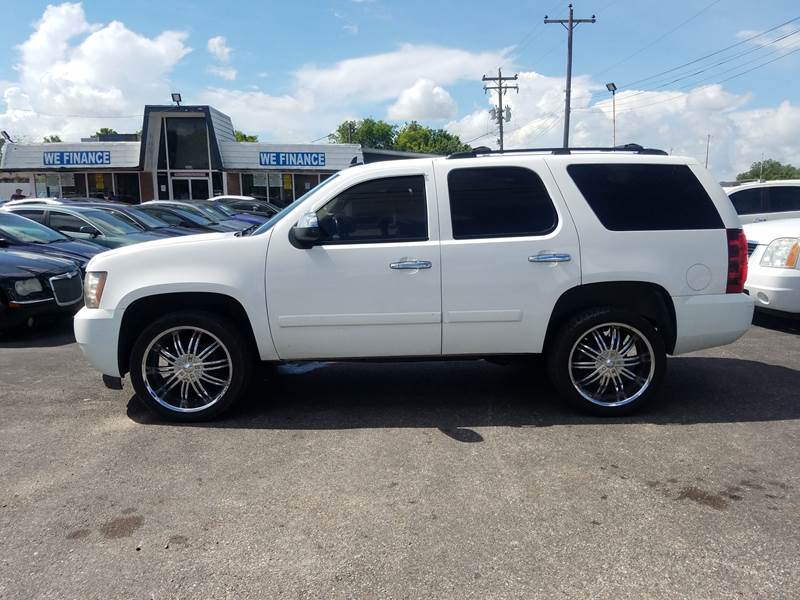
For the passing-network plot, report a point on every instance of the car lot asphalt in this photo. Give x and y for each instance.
(411, 480)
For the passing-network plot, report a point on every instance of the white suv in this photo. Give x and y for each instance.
(603, 261)
(766, 200)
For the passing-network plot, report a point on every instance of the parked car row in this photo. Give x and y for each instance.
(46, 241)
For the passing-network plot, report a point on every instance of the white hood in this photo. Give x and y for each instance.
(766, 231)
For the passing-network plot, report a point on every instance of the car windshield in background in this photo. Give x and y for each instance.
(222, 208)
(27, 231)
(149, 220)
(190, 215)
(212, 212)
(271, 223)
(108, 223)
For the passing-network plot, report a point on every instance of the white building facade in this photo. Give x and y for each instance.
(185, 152)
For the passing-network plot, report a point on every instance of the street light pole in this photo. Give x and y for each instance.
(612, 87)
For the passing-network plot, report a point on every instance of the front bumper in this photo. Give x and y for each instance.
(16, 314)
(774, 289)
(97, 334)
(711, 320)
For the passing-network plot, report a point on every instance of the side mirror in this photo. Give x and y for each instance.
(307, 232)
(89, 230)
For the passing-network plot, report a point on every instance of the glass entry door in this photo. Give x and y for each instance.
(190, 189)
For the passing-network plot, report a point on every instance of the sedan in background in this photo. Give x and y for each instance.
(248, 205)
(223, 209)
(86, 223)
(140, 219)
(32, 285)
(773, 269)
(19, 233)
(179, 217)
(220, 221)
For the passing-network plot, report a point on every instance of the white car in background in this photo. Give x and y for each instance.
(773, 277)
(759, 201)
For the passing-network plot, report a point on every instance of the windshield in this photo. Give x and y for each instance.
(225, 210)
(271, 223)
(200, 211)
(109, 224)
(189, 215)
(149, 220)
(27, 231)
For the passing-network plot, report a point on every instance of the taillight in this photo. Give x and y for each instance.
(737, 261)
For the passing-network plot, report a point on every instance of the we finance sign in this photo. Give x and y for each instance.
(76, 159)
(291, 159)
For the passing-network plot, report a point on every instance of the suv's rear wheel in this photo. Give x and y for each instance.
(607, 361)
(190, 366)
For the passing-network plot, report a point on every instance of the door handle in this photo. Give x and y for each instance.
(549, 258)
(760, 220)
(411, 264)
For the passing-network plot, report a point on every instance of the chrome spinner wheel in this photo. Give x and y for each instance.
(186, 369)
(612, 364)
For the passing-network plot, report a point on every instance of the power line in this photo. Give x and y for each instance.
(661, 37)
(702, 58)
(569, 24)
(501, 88)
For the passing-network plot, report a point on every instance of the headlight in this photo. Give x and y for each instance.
(23, 287)
(93, 288)
(781, 253)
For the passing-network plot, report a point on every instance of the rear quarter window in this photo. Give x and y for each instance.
(642, 197)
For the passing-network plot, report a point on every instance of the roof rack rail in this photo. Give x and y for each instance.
(636, 148)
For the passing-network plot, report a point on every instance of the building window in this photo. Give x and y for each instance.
(304, 183)
(162, 193)
(73, 185)
(254, 184)
(187, 143)
(100, 185)
(127, 187)
(216, 184)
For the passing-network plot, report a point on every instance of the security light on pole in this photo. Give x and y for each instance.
(176, 98)
(612, 87)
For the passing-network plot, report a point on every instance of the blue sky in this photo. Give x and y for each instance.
(295, 76)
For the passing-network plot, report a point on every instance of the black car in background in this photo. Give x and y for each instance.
(140, 218)
(87, 223)
(33, 285)
(248, 205)
(19, 233)
(218, 219)
(180, 217)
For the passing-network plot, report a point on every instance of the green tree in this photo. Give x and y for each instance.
(243, 137)
(51, 139)
(769, 169)
(414, 137)
(105, 131)
(369, 132)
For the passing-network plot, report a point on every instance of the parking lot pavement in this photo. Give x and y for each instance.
(450, 479)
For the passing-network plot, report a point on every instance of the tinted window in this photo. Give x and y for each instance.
(26, 230)
(748, 202)
(784, 198)
(34, 215)
(187, 144)
(499, 202)
(65, 222)
(382, 210)
(641, 197)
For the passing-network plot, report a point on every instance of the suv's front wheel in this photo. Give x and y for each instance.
(607, 361)
(190, 365)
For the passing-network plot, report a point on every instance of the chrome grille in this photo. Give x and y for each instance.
(67, 288)
(751, 247)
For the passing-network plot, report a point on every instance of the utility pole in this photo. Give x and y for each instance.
(569, 24)
(497, 113)
(708, 145)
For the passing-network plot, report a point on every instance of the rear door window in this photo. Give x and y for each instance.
(645, 197)
(783, 198)
(66, 222)
(749, 202)
(490, 202)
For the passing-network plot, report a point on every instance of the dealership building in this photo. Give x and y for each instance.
(184, 152)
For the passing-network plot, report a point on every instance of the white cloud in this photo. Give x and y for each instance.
(68, 66)
(423, 100)
(228, 73)
(218, 48)
(674, 121)
(783, 38)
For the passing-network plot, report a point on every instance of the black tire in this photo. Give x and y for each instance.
(635, 383)
(233, 348)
